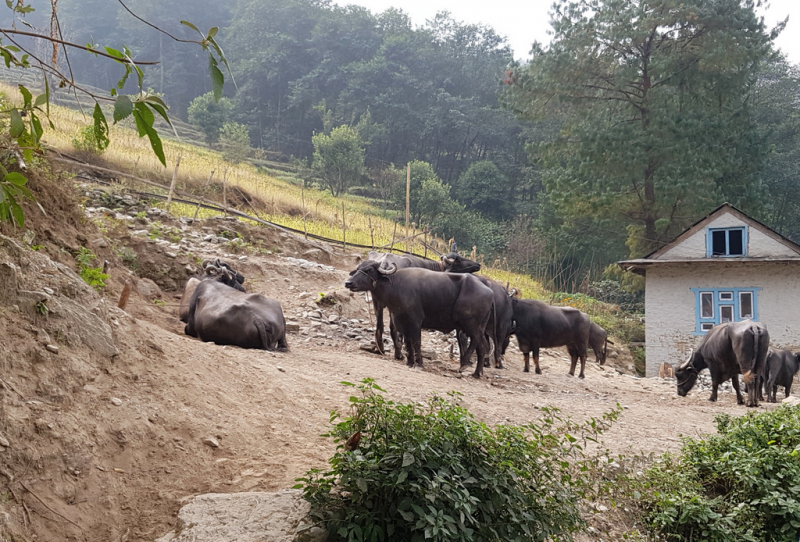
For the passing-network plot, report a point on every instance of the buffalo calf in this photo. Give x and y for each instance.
(782, 365)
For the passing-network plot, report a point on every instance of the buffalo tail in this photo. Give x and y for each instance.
(263, 334)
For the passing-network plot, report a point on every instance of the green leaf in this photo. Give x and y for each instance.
(41, 99)
(408, 459)
(212, 32)
(36, 124)
(100, 127)
(362, 484)
(26, 96)
(15, 178)
(402, 476)
(123, 107)
(217, 79)
(145, 126)
(2, 195)
(17, 126)
(16, 211)
(190, 25)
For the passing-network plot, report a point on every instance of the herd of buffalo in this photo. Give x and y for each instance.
(446, 296)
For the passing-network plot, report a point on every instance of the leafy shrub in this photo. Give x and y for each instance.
(430, 471)
(235, 141)
(740, 485)
(86, 141)
(93, 276)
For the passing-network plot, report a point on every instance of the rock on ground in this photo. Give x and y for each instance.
(244, 517)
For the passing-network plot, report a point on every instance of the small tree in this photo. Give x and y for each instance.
(235, 140)
(338, 158)
(210, 115)
(482, 188)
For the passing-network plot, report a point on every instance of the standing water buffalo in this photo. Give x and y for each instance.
(420, 298)
(727, 350)
(503, 321)
(452, 262)
(541, 325)
(220, 313)
(598, 342)
(781, 366)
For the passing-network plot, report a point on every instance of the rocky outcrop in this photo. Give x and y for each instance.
(245, 517)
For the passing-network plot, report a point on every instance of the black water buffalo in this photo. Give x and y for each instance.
(781, 366)
(422, 299)
(727, 350)
(453, 262)
(222, 314)
(212, 271)
(503, 322)
(538, 325)
(598, 342)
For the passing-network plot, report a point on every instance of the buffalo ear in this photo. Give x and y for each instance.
(353, 272)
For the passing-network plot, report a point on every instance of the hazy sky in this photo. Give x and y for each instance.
(526, 21)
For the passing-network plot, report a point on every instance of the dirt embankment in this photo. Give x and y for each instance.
(110, 418)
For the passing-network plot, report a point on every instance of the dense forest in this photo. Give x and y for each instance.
(636, 120)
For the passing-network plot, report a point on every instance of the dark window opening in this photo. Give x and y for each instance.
(719, 244)
(735, 243)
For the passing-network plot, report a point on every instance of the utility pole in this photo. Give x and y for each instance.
(408, 199)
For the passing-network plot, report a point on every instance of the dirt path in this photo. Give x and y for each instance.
(108, 448)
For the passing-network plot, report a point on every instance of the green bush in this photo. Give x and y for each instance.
(86, 141)
(740, 485)
(93, 276)
(418, 471)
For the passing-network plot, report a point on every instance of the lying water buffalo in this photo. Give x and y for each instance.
(211, 270)
(781, 366)
(541, 325)
(598, 342)
(422, 299)
(223, 314)
(728, 350)
(452, 262)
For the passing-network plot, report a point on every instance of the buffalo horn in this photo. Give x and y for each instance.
(512, 292)
(211, 270)
(450, 260)
(390, 269)
(206, 263)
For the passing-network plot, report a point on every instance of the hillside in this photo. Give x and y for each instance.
(113, 417)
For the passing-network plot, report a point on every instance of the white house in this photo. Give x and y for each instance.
(726, 267)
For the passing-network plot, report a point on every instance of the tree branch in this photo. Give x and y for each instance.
(7, 31)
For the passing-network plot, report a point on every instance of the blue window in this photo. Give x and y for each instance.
(719, 305)
(726, 242)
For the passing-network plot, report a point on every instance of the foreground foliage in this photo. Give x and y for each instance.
(431, 471)
(740, 485)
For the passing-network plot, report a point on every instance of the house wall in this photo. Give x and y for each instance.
(670, 304)
(759, 245)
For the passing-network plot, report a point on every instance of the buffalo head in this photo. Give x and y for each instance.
(454, 263)
(222, 272)
(366, 275)
(686, 375)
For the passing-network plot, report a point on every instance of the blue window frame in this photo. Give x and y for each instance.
(726, 242)
(717, 305)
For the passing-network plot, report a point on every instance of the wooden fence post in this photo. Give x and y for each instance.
(303, 199)
(391, 248)
(225, 190)
(203, 191)
(371, 236)
(344, 230)
(172, 184)
(408, 198)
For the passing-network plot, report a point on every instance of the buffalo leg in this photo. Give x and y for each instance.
(735, 384)
(715, 386)
(583, 365)
(397, 341)
(573, 361)
(482, 347)
(527, 356)
(463, 344)
(414, 347)
(466, 355)
(378, 325)
(787, 390)
(537, 370)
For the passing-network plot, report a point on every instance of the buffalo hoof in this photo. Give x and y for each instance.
(581, 376)
(538, 371)
(398, 357)
(474, 375)
(526, 370)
